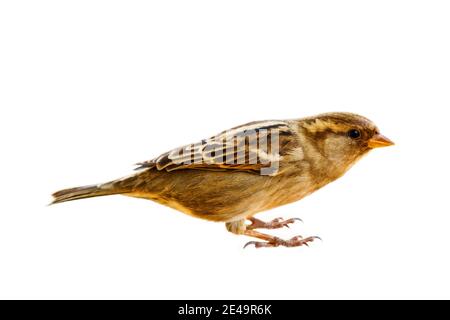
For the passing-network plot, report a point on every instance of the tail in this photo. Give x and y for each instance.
(85, 192)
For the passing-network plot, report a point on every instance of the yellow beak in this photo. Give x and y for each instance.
(379, 141)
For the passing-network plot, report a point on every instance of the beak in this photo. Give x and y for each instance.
(379, 141)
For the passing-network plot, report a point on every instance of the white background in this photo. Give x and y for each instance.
(87, 88)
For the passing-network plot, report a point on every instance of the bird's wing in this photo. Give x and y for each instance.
(253, 147)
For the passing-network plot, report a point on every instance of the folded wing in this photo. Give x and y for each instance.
(253, 147)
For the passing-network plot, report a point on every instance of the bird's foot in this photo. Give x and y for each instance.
(297, 241)
(274, 224)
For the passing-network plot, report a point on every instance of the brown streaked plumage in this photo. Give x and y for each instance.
(249, 169)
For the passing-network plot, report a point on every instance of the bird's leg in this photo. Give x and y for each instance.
(239, 227)
(272, 242)
(274, 224)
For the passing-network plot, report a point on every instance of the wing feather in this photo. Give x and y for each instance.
(250, 147)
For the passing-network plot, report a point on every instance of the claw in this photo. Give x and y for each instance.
(250, 243)
(290, 221)
(259, 245)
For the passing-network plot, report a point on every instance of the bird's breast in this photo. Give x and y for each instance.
(285, 191)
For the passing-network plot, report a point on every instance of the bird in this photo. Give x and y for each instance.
(238, 173)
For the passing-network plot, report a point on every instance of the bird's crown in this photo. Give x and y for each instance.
(337, 122)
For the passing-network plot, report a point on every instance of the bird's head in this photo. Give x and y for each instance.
(343, 138)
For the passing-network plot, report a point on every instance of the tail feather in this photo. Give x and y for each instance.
(83, 192)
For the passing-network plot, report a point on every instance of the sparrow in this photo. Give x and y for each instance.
(249, 169)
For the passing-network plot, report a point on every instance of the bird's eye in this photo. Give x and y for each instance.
(354, 134)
